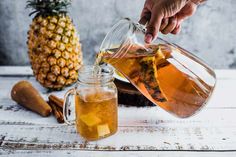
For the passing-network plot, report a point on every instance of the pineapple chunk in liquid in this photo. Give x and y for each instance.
(103, 130)
(90, 119)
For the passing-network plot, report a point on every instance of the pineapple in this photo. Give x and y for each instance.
(53, 45)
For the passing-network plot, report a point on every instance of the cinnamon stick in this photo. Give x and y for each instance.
(57, 101)
(57, 112)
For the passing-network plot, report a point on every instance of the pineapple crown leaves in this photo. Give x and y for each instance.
(48, 7)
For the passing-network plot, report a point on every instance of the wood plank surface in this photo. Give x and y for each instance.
(75, 153)
(157, 131)
(15, 71)
(143, 129)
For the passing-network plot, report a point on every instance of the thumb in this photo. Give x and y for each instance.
(153, 26)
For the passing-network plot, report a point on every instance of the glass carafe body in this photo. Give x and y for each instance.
(168, 75)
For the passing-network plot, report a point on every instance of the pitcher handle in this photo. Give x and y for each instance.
(69, 107)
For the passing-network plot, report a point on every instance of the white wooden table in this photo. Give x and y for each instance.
(147, 131)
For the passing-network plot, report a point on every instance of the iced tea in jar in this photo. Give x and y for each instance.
(165, 73)
(95, 101)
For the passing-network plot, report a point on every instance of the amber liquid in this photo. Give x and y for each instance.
(96, 114)
(163, 78)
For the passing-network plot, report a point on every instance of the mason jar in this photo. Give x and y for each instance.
(92, 104)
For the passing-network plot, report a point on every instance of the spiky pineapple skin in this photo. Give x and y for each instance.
(54, 51)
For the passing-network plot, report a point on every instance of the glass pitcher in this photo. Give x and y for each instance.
(165, 73)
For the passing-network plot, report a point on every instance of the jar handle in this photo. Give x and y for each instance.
(69, 107)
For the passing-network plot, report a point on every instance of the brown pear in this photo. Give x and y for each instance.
(26, 95)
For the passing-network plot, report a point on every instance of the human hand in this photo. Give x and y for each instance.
(165, 16)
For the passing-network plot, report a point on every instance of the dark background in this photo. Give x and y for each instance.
(210, 33)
